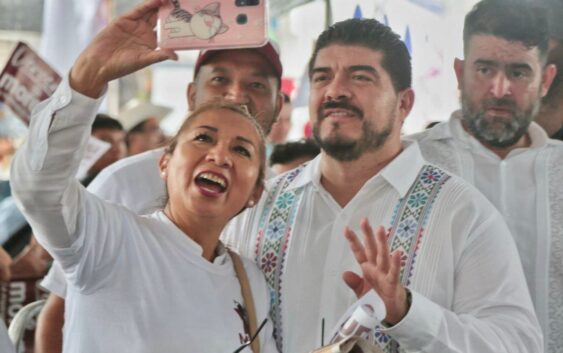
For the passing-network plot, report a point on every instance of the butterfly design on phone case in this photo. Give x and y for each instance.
(203, 24)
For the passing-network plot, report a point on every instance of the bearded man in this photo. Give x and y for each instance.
(494, 144)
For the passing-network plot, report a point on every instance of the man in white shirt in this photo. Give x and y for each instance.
(494, 144)
(454, 282)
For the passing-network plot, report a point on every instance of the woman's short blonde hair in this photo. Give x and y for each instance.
(224, 105)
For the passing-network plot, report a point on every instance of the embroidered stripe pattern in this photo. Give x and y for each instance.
(407, 229)
(274, 233)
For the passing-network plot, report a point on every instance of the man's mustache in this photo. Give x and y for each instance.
(339, 105)
(499, 102)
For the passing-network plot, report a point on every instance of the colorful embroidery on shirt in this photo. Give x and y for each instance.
(407, 229)
(274, 233)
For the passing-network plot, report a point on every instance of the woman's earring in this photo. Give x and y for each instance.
(250, 204)
(163, 173)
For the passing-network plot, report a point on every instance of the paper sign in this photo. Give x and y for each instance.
(26, 80)
(94, 150)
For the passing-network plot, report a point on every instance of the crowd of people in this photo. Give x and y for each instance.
(190, 243)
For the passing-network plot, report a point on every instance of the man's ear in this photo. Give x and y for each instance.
(191, 95)
(458, 69)
(548, 75)
(163, 164)
(406, 102)
(278, 107)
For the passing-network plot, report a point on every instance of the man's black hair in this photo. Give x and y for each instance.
(522, 21)
(555, 92)
(140, 127)
(104, 121)
(371, 34)
(288, 152)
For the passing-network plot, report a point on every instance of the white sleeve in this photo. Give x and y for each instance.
(133, 182)
(44, 167)
(65, 218)
(55, 281)
(491, 311)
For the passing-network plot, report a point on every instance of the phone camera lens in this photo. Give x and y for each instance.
(242, 3)
(242, 19)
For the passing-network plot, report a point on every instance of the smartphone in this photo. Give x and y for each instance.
(213, 24)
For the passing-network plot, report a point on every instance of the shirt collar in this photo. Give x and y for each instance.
(189, 243)
(311, 173)
(400, 173)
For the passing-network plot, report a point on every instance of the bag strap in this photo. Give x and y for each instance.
(247, 297)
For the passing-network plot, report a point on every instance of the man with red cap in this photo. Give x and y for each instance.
(250, 77)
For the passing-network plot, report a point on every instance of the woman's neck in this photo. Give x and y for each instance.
(205, 231)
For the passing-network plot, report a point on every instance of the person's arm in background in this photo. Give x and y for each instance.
(33, 262)
(49, 331)
(5, 263)
(49, 328)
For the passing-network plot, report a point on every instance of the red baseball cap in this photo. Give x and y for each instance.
(268, 51)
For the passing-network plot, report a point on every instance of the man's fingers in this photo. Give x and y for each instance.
(382, 249)
(369, 241)
(395, 268)
(355, 282)
(160, 55)
(355, 245)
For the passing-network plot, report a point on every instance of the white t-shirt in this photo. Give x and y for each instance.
(460, 262)
(133, 182)
(136, 283)
(527, 188)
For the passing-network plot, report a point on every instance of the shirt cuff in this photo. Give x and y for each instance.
(420, 326)
(43, 120)
(75, 112)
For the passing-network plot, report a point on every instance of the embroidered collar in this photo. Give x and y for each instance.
(400, 173)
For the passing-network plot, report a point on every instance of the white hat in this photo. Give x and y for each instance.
(136, 111)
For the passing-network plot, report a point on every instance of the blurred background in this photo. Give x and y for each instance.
(432, 30)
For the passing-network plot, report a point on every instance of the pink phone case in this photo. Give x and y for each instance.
(214, 24)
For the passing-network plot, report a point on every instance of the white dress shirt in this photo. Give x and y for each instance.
(469, 293)
(527, 188)
(136, 283)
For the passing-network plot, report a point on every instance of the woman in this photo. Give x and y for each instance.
(159, 283)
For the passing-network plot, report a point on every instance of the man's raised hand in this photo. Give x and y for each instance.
(380, 271)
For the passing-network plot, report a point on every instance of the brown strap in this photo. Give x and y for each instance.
(247, 297)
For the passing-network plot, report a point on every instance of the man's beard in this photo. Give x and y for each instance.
(345, 149)
(497, 132)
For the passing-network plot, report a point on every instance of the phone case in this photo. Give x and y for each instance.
(213, 24)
